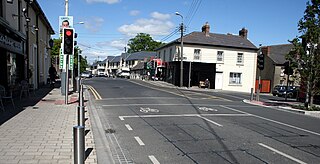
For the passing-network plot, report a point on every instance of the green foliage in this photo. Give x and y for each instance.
(55, 50)
(142, 42)
(309, 41)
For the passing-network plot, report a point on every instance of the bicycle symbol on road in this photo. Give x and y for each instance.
(207, 109)
(146, 110)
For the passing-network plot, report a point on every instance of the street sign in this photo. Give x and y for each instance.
(71, 61)
(61, 60)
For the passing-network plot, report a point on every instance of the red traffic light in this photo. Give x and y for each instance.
(68, 32)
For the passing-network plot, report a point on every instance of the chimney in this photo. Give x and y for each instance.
(206, 29)
(243, 33)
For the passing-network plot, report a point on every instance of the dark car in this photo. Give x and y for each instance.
(281, 91)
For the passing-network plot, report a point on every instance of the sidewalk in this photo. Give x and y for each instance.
(40, 130)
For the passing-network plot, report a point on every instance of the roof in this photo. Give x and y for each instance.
(213, 39)
(140, 55)
(277, 53)
(115, 59)
(139, 66)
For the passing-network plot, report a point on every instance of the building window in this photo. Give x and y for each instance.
(196, 54)
(220, 56)
(164, 55)
(235, 78)
(240, 58)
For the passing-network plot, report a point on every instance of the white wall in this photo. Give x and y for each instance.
(229, 64)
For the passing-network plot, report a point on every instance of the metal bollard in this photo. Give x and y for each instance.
(78, 144)
(251, 94)
(81, 116)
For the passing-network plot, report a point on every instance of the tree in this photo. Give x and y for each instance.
(306, 52)
(142, 42)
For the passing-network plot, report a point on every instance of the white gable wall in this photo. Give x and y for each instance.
(229, 63)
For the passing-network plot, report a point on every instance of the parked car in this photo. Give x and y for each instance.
(86, 74)
(281, 91)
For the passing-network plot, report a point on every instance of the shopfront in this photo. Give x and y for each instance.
(12, 58)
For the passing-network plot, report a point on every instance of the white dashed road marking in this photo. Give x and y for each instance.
(281, 153)
(139, 141)
(128, 127)
(153, 159)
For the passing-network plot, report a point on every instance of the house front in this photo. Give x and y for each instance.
(228, 61)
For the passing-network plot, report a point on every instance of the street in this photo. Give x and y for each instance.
(139, 122)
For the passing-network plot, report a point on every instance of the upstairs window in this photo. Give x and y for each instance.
(220, 55)
(196, 54)
(240, 58)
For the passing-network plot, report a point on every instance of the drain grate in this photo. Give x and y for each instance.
(110, 131)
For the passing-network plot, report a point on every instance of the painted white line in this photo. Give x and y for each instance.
(281, 153)
(183, 115)
(139, 141)
(153, 159)
(277, 122)
(210, 121)
(128, 127)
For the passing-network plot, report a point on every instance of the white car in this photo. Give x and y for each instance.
(86, 74)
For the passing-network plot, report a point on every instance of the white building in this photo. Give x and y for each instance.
(228, 61)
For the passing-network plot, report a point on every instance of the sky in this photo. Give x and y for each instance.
(109, 24)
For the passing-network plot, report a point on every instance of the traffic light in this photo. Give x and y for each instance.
(287, 68)
(68, 41)
(261, 61)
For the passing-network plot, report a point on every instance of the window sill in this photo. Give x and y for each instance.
(235, 85)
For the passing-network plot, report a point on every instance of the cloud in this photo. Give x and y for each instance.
(160, 16)
(94, 55)
(116, 44)
(104, 1)
(94, 25)
(157, 25)
(134, 12)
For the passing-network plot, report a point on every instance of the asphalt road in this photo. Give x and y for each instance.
(138, 122)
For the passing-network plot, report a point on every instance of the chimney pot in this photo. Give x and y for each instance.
(243, 33)
(206, 29)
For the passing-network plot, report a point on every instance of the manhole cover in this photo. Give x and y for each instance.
(110, 131)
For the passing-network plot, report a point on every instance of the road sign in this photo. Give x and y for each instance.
(61, 60)
(71, 61)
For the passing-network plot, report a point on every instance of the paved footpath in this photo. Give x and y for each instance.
(43, 133)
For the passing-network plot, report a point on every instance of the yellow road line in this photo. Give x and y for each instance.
(95, 93)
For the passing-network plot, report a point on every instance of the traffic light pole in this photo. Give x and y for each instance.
(67, 80)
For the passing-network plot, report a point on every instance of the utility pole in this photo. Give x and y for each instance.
(181, 52)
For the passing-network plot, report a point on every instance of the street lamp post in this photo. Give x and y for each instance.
(181, 52)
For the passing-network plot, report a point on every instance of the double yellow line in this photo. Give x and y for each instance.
(94, 92)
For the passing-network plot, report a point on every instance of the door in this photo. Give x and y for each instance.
(218, 80)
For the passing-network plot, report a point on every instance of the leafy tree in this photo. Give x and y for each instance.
(306, 52)
(142, 42)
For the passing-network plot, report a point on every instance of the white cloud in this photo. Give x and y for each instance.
(116, 44)
(134, 12)
(104, 1)
(160, 16)
(158, 25)
(93, 55)
(94, 24)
